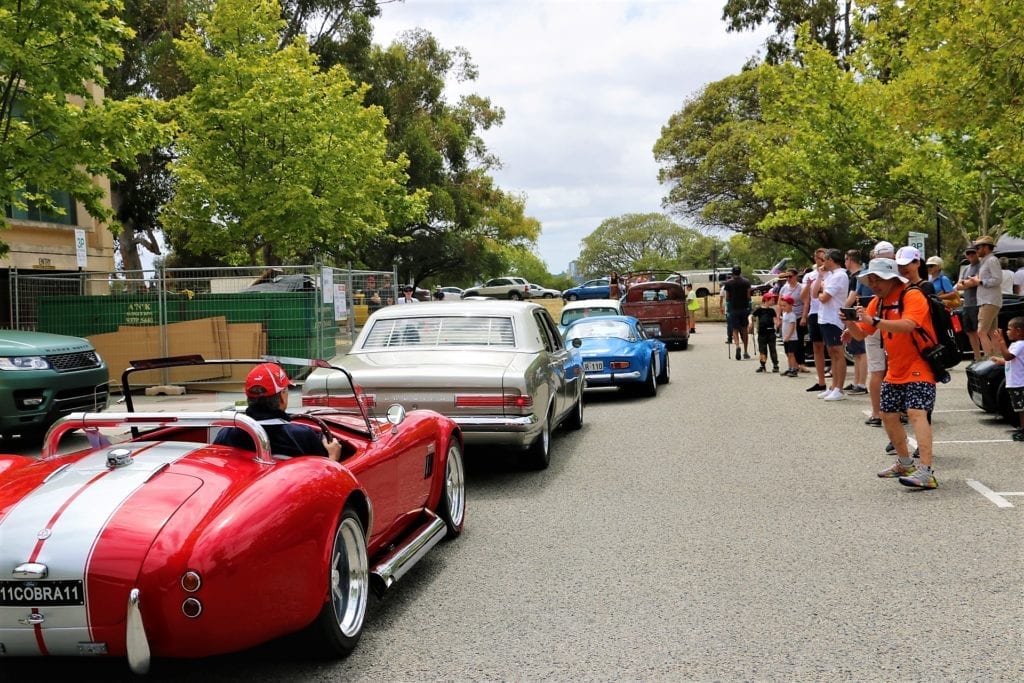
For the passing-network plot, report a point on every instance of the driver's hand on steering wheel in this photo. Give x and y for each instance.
(333, 448)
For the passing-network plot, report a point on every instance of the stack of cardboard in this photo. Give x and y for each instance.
(211, 338)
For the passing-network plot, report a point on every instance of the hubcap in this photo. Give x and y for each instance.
(350, 578)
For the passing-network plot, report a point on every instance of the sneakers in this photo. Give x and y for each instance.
(775, 368)
(848, 387)
(823, 394)
(873, 422)
(835, 395)
(857, 390)
(897, 469)
(761, 369)
(746, 356)
(815, 387)
(890, 449)
(738, 352)
(920, 479)
(1018, 435)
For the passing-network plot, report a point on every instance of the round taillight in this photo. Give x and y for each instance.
(191, 608)
(191, 581)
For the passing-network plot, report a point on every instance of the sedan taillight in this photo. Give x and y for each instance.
(493, 401)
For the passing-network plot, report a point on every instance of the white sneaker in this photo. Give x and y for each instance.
(825, 393)
(835, 395)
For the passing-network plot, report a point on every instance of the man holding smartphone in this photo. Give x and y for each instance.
(835, 285)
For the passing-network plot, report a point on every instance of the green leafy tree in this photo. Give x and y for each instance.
(634, 241)
(278, 161)
(469, 220)
(830, 23)
(956, 91)
(55, 136)
(704, 153)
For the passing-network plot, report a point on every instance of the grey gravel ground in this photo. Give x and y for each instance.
(730, 529)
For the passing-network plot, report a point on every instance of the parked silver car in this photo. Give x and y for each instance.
(500, 369)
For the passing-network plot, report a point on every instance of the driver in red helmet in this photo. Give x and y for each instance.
(266, 388)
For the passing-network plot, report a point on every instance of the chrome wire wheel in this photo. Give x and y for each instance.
(350, 576)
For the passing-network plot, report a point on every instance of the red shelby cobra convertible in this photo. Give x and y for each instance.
(165, 545)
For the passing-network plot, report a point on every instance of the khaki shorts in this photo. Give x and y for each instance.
(988, 317)
(876, 354)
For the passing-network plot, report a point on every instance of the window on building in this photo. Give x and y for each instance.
(38, 211)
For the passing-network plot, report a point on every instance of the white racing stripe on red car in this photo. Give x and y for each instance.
(58, 525)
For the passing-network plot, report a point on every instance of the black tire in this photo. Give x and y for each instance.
(666, 373)
(650, 385)
(538, 456)
(684, 344)
(452, 507)
(1004, 407)
(574, 420)
(340, 622)
(514, 295)
(572, 297)
(549, 296)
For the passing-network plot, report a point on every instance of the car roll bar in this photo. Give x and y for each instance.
(228, 418)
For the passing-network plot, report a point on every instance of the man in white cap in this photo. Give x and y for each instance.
(875, 352)
(909, 383)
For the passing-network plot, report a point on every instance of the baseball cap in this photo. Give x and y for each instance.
(883, 248)
(735, 270)
(769, 296)
(267, 379)
(971, 249)
(934, 261)
(884, 268)
(907, 255)
(787, 299)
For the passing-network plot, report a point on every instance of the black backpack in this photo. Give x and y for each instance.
(941, 353)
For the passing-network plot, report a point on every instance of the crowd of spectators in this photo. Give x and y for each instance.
(871, 313)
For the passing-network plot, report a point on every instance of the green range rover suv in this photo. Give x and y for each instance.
(44, 377)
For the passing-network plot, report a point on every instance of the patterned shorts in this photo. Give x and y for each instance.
(899, 398)
(1016, 395)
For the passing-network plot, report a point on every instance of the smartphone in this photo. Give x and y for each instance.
(848, 313)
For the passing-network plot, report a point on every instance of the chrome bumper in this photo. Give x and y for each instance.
(612, 377)
(516, 431)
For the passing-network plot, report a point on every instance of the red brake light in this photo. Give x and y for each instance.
(619, 364)
(320, 400)
(494, 401)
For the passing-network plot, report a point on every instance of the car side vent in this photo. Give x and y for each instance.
(68, 362)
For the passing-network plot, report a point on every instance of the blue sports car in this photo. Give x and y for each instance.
(616, 352)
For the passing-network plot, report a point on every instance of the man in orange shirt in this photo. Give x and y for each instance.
(909, 384)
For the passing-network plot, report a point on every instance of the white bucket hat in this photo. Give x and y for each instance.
(884, 268)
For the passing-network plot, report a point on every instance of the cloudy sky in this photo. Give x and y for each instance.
(586, 86)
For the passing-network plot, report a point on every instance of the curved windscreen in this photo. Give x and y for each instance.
(441, 331)
(599, 328)
(575, 314)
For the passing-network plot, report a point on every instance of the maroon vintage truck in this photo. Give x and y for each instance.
(658, 300)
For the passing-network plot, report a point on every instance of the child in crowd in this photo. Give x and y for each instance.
(1012, 360)
(790, 341)
(766, 319)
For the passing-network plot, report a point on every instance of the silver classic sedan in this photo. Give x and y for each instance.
(500, 369)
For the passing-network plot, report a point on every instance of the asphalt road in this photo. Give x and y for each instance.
(732, 528)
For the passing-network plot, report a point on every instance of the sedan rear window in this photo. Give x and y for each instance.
(599, 328)
(440, 332)
(577, 313)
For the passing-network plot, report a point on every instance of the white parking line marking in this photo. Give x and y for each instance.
(996, 498)
(978, 441)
